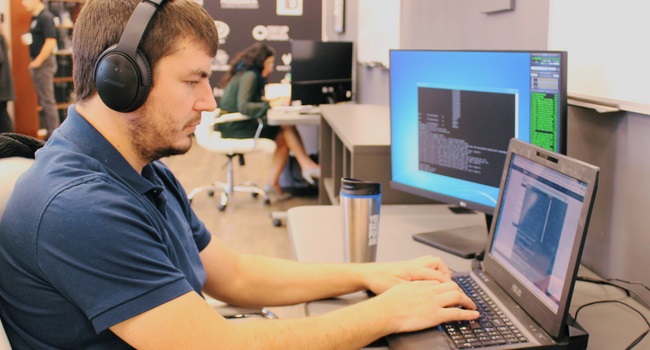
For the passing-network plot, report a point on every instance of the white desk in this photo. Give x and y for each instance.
(303, 115)
(316, 236)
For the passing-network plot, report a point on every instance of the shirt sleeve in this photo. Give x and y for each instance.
(248, 101)
(49, 30)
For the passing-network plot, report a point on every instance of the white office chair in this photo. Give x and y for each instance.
(211, 140)
(10, 169)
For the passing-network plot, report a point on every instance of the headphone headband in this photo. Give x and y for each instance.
(138, 23)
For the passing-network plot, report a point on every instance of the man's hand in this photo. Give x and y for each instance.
(33, 64)
(380, 277)
(424, 304)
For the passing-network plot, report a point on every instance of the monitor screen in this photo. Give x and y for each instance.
(453, 114)
(321, 72)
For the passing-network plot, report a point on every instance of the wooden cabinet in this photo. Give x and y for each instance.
(26, 105)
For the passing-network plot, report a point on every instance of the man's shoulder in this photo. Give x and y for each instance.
(46, 20)
(46, 15)
(56, 172)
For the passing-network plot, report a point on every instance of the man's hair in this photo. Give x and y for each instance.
(101, 23)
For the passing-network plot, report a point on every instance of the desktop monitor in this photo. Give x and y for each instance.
(453, 113)
(321, 72)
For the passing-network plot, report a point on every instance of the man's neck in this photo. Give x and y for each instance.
(38, 8)
(112, 127)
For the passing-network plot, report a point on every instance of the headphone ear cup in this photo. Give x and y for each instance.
(123, 81)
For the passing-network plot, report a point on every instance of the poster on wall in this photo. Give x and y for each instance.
(243, 22)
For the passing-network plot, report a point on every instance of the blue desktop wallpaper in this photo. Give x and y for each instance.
(464, 70)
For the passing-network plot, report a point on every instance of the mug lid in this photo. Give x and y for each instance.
(359, 187)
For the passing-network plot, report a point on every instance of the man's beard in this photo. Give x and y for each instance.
(150, 134)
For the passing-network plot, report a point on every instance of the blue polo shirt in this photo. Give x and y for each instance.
(86, 242)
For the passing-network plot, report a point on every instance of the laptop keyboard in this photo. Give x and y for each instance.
(492, 328)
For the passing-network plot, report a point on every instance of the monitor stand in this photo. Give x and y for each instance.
(465, 242)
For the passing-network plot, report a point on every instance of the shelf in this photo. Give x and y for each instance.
(62, 80)
(328, 185)
(355, 142)
(58, 106)
(77, 1)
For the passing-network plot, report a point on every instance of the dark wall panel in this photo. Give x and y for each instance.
(243, 22)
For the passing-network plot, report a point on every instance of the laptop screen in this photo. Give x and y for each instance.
(536, 227)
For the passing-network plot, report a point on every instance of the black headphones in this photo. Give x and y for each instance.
(122, 73)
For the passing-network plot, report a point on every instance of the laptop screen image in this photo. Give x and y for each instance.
(539, 231)
(537, 226)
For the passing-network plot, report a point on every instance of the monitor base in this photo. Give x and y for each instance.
(465, 242)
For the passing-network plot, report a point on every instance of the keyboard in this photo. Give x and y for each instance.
(492, 328)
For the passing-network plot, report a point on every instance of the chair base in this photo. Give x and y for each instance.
(278, 217)
(228, 191)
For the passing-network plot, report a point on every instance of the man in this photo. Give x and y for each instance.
(43, 65)
(99, 247)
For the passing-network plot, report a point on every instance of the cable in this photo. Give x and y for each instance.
(610, 282)
(639, 338)
(629, 282)
(603, 282)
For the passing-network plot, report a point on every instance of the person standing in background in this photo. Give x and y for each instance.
(6, 85)
(43, 65)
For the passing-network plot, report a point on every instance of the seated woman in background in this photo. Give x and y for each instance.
(243, 92)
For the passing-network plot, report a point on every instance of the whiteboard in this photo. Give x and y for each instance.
(608, 48)
(378, 23)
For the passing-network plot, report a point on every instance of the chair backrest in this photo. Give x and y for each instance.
(205, 129)
(10, 169)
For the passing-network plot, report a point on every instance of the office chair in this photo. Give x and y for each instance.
(211, 140)
(10, 169)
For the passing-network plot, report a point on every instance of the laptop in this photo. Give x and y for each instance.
(531, 258)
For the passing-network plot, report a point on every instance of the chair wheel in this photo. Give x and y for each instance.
(190, 200)
(210, 193)
(254, 194)
(267, 201)
(277, 222)
(224, 201)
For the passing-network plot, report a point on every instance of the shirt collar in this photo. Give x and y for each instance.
(79, 131)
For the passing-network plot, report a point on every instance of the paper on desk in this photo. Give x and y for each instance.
(273, 91)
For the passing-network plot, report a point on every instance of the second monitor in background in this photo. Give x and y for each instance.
(321, 72)
(453, 114)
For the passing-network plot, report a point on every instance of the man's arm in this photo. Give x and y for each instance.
(189, 322)
(249, 280)
(46, 51)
